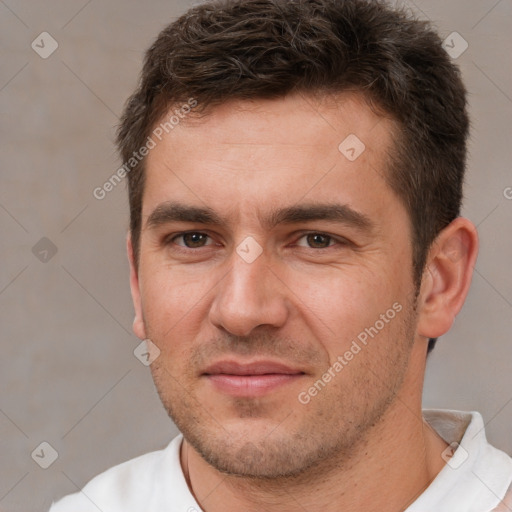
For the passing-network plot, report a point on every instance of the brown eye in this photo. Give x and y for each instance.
(192, 240)
(318, 240)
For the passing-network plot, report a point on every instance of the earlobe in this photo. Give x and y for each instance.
(138, 322)
(447, 277)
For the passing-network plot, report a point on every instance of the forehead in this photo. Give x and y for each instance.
(295, 120)
(279, 151)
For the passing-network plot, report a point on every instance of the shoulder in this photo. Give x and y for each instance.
(128, 486)
(476, 475)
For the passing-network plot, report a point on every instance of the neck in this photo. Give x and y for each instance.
(388, 470)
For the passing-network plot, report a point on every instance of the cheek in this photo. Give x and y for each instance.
(357, 314)
(173, 305)
(340, 303)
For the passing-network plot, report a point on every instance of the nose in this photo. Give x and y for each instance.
(250, 295)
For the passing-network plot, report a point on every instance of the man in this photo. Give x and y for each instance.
(295, 176)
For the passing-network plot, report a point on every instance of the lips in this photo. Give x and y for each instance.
(254, 379)
(255, 368)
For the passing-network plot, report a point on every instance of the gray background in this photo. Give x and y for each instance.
(69, 376)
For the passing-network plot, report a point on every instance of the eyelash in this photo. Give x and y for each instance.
(182, 248)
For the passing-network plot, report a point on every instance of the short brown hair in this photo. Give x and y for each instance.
(257, 49)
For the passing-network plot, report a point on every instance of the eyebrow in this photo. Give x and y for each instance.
(171, 211)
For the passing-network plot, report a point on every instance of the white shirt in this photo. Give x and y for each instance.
(475, 478)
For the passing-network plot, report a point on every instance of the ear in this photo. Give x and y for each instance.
(138, 322)
(447, 277)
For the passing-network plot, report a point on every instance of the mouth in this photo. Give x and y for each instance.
(254, 379)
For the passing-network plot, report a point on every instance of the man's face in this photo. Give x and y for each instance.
(272, 292)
